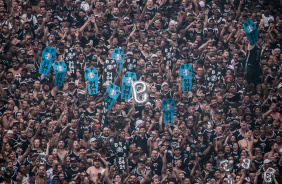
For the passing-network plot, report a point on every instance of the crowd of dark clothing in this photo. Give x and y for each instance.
(231, 116)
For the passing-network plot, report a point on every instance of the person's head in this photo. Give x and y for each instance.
(86, 134)
(132, 179)
(73, 162)
(41, 170)
(97, 162)
(220, 153)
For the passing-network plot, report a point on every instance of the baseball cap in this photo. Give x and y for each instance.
(96, 158)
(82, 92)
(96, 126)
(154, 56)
(71, 82)
(23, 82)
(141, 160)
(177, 147)
(73, 159)
(165, 83)
(138, 122)
(148, 103)
(93, 139)
(49, 181)
(267, 161)
(129, 53)
(9, 132)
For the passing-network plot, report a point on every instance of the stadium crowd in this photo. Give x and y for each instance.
(52, 134)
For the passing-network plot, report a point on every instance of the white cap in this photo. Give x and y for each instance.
(188, 14)
(267, 161)
(230, 67)
(154, 56)
(202, 4)
(9, 132)
(148, 103)
(93, 139)
(165, 83)
(82, 92)
(138, 122)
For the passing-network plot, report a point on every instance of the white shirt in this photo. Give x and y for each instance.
(85, 6)
(266, 19)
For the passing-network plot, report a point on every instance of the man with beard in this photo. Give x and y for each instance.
(121, 36)
(91, 110)
(74, 170)
(95, 170)
(61, 150)
(105, 134)
(85, 139)
(166, 91)
(15, 67)
(41, 176)
(156, 162)
(46, 93)
(23, 142)
(26, 29)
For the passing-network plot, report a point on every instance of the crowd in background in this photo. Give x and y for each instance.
(51, 134)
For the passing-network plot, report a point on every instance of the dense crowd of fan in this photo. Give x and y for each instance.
(51, 134)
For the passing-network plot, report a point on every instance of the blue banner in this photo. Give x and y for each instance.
(127, 80)
(59, 79)
(185, 72)
(48, 55)
(113, 93)
(59, 68)
(117, 54)
(167, 107)
(186, 84)
(251, 31)
(91, 75)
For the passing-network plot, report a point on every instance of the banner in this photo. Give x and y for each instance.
(70, 58)
(104, 112)
(139, 92)
(212, 78)
(130, 64)
(48, 55)
(117, 54)
(251, 31)
(167, 107)
(127, 80)
(113, 93)
(109, 71)
(185, 72)
(59, 68)
(91, 75)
